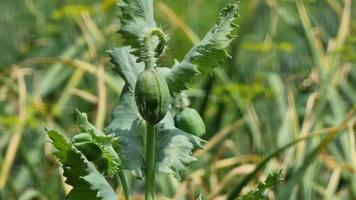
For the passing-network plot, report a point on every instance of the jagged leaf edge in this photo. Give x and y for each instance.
(271, 181)
(86, 180)
(174, 147)
(209, 53)
(107, 143)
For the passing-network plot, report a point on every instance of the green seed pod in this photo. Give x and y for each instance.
(89, 149)
(81, 137)
(189, 120)
(152, 96)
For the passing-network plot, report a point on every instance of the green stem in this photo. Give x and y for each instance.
(162, 41)
(125, 186)
(150, 162)
(150, 52)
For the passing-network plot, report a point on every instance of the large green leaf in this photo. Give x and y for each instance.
(86, 180)
(136, 19)
(174, 147)
(207, 54)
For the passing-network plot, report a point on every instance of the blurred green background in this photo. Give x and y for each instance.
(291, 74)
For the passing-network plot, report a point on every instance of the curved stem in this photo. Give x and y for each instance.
(162, 41)
(124, 184)
(151, 52)
(150, 162)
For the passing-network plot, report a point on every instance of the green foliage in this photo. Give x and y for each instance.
(136, 19)
(210, 52)
(270, 86)
(107, 143)
(271, 181)
(174, 146)
(82, 175)
(172, 149)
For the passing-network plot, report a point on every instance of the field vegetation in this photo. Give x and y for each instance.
(279, 112)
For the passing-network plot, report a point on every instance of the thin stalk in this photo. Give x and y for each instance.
(151, 52)
(124, 184)
(150, 162)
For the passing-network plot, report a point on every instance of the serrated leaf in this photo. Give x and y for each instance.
(209, 53)
(259, 193)
(86, 180)
(107, 143)
(136, 19)
(174, 147)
